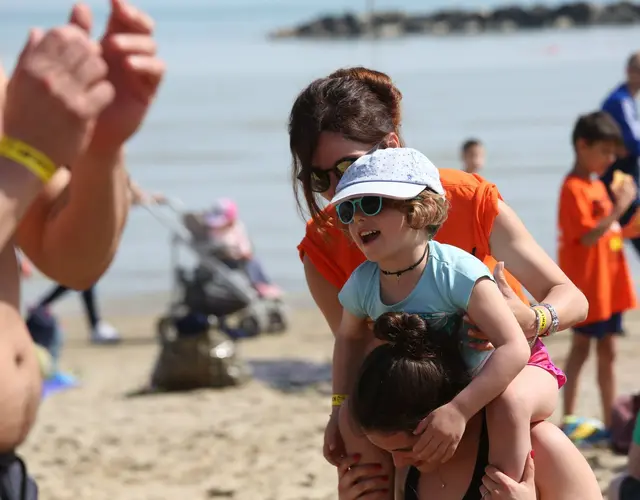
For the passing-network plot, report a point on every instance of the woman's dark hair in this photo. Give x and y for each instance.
(416, 371)
(361, 104)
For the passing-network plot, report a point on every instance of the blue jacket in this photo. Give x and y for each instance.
(621, 105)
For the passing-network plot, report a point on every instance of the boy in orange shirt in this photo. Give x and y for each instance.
(591, 254)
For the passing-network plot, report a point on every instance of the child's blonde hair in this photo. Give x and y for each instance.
(428, 211)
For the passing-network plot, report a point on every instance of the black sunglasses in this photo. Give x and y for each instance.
(321, 178)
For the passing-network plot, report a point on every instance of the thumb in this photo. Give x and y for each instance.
(422, 426)
(529, 469)
(81, 17)
(501, 280)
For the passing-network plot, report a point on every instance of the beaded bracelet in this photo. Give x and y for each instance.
(555, 321)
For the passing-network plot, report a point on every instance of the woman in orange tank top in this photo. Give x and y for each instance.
(353, 111)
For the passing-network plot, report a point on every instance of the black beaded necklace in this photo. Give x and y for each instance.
(397, 274)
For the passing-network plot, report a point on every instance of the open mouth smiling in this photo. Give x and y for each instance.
(368, 236)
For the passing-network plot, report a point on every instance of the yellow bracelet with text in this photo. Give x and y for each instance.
(542, 320)
(30, 158)
(338, 399)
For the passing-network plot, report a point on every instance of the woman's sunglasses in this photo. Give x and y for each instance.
(369, 206)
(321, 179)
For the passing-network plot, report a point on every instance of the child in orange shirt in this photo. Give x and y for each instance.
(591, 254)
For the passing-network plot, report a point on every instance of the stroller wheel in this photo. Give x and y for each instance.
(250, 326)
(277, 321)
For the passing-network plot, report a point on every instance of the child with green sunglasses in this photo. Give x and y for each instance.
(393, 204)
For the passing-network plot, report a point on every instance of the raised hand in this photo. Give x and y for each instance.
(135, 72)
(57, 90)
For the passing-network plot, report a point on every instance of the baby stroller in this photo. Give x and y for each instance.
(211, 287)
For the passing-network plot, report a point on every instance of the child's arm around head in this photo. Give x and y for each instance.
(490, 313)
(511, 391)
(468, 286)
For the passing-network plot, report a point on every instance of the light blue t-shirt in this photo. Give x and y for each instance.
(441, 296)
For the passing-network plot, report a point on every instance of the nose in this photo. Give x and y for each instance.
(358, 217)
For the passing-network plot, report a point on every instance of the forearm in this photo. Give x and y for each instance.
(592, 236)
(563, 298)
(538, 273)
(348, 353)
(18, 189)
(506, 362)
(569, 302)
(82, 236)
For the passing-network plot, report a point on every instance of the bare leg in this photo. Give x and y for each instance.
(575, 361)
(356, 442)
(531, 397)
(606, 351)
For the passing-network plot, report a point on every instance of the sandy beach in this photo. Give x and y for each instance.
(255, 442)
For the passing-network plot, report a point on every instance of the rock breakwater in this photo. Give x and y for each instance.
(459, 21)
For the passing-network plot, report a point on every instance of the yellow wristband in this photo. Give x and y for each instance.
(542, 320)
(30, 158)
(338, 399)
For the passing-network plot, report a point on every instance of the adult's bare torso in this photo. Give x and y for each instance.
(20, 381)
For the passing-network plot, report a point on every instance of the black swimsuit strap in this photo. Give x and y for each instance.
(411, 484)
(473, 491)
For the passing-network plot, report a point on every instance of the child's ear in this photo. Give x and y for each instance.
(392, 141)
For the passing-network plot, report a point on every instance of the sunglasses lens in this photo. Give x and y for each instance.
(345, 210)
(342, 167)
(320, 181)
(371, 205)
